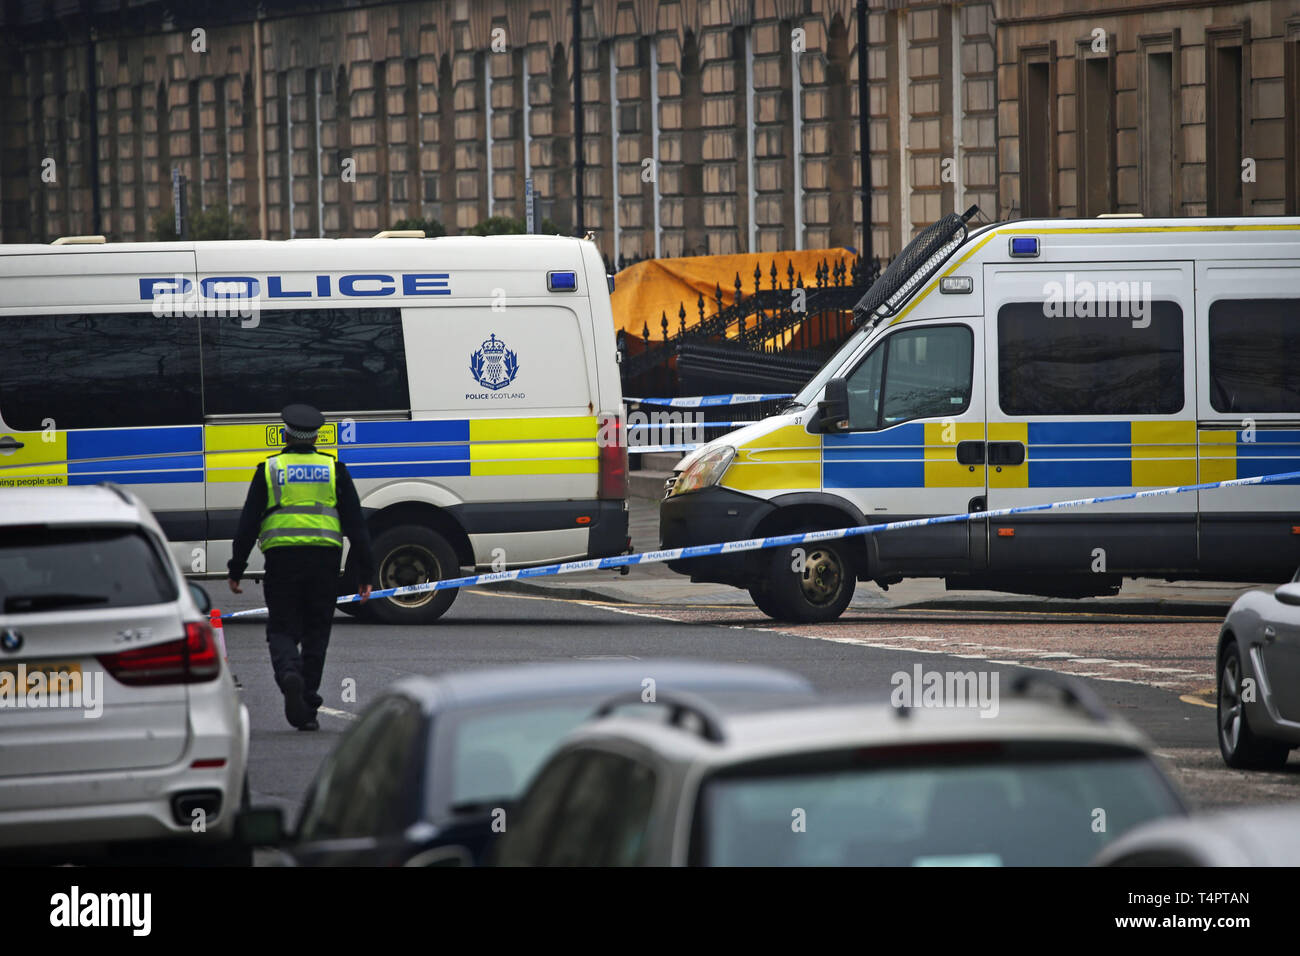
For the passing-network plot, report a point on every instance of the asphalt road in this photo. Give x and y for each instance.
(856, 656)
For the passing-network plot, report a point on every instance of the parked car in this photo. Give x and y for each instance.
(1259, 678)
(148, 736)
(430, 772)
(1255, 836)
(1042, 783)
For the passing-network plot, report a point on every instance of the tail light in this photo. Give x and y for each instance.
(191, 660)
(611, 478)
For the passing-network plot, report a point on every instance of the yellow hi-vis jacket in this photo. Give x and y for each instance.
(302, 507)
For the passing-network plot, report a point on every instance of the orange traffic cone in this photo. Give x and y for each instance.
(214, 621)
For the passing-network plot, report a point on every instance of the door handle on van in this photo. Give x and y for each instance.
(9, 443)
(970, 452)
(1006, 453)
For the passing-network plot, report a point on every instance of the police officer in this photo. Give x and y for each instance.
(299, 506)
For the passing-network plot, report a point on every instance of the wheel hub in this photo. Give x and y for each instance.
(822, 577)
(406, 565)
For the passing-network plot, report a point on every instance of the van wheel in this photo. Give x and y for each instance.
(762, 599)
(1242, 749)
(820, 592)
(412, 554)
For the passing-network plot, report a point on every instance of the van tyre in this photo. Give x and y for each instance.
(1242, 749)
(819, 593)
(762, 599)
(412, 554)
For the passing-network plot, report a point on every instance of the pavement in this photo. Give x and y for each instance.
(655, 584)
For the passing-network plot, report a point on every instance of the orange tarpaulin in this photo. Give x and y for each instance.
(648, 290)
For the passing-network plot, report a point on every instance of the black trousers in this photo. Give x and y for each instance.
(301, 586)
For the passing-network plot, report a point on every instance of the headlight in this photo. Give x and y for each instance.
(705, 471)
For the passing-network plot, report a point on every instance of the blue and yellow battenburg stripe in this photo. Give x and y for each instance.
(1059, 454)
(230, 453)
(1227, 454)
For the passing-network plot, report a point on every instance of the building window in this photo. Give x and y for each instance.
(1095, 135)
(1037, 131)
(1225, 123)
(1159, 130)
(1291, 109)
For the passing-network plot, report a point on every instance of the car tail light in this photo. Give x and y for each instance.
(611, 479)
(191, 660)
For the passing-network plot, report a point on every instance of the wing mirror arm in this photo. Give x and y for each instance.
(833, 410)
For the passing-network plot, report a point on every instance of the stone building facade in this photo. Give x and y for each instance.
(710, 126)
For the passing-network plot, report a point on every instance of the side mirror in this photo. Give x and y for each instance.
(833, 411)
(200, 598)
(1288, 594)
(260, 826)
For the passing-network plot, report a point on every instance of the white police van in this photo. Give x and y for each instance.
(465, 382)
(1018, 364)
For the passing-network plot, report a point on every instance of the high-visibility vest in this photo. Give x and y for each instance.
(301, 505)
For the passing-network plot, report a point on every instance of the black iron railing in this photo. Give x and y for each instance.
(765, 337)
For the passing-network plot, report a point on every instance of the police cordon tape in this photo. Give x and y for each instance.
(757, 544)
(706, 401)
(635, 448)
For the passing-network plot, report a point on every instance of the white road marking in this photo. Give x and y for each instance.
(331, 712)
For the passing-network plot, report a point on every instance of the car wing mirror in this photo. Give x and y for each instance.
(1288, 594)
(833, 410)
(200, 598)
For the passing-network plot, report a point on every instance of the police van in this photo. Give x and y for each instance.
(1023, 363)
(470, 384)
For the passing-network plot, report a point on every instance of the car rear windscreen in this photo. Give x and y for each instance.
(1037, 812)
(46, 569)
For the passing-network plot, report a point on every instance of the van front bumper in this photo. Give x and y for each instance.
(710, 516)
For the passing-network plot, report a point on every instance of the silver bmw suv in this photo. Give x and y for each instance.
(121, 730)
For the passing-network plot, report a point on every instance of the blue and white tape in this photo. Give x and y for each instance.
(756, 544)
(707, 401)
(653, 449)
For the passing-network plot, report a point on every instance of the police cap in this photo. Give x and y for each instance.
(302, 418)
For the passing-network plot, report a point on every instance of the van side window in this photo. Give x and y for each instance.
(340, 360)
(103, 370)
(1085, 365)
(1253, 348)
(920, 373)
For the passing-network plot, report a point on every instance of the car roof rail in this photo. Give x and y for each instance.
(1075, 693)
(680, 704)
(119, 491)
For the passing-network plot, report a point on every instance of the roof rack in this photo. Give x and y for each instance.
(1075, 693)
(920, 259)
(680, 705)
(118, 490)
(399, 234)
(80, 241)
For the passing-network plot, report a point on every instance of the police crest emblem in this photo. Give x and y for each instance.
(494, 366)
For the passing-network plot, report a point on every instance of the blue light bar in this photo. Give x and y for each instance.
(562, 281)
(1024, 246)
